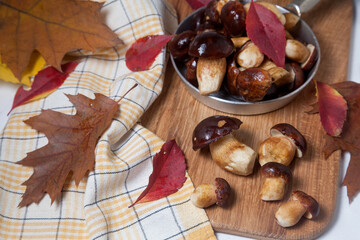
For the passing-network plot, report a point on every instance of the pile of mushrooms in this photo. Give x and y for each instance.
(216, 49)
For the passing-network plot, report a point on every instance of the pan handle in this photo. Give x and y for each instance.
(301, 6)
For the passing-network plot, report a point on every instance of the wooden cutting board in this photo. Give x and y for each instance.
(175, 114)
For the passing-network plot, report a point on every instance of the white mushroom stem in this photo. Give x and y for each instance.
(290, 213)
(239, 41)
(210, 74)
(204, 196)
(232, 155)
(273, 189)
(280, 76)
(280, 149)
(296, 51)
(250, 56)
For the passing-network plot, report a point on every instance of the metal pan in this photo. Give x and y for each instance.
(224, 102)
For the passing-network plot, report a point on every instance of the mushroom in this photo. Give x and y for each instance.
(291, 20)
(310, 61)
(232, 17)
(277, 177)
(179, 45)
(212, 49)
(300, 204)
(239, 41)
(249, 55)
(227, 151)
(285, 143)
(280, 76)
(191, 71)
(296, 51)
(206, 195)
(296, 75)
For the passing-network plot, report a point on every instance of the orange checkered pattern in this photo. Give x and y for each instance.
(98, 207)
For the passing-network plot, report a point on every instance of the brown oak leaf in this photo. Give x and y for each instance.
(53, 28)
(349, 139)
(71, 147)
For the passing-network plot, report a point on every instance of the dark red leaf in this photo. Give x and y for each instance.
(45, 82)
(168, 174)
(332, 109)
(195, 4)
(267, 32)
(143, 51)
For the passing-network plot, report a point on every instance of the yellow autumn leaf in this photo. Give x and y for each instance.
(36, 63)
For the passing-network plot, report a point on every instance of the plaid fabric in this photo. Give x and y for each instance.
(98, 207)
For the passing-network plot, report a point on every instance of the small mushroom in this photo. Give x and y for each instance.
(310, 61)
(277, 177)
(296, 51)
(252, 84)
(249, 56)
(227, 151)
(280, 76)
(209, 74)
(285, 143)
(179, 45)
(291, 20)
(300, 204)
(296, 75)
(233, 18)
(206, 195)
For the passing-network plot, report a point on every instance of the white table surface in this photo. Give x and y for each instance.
(346, 221)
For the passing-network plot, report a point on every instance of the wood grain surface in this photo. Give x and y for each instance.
(175, 114)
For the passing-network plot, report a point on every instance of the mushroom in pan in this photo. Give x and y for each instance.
(298, 52)
(300, 204)
(277, 177)
(211, 49)
(285, 143)
(226, 150)
(206, 195)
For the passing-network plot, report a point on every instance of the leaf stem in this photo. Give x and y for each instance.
(135, 85)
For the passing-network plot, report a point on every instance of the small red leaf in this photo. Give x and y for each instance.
(143, 51)
(267, 32)
(168, 174)
(332, 108)
(195, 4)
(45, 82)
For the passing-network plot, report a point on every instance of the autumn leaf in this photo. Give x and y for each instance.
(332, 108)
(267, 32)
(349, 139)
(168, 174)
(53, 28)
(143, 51)
(45, 82)
(195, 4)
(71, 148)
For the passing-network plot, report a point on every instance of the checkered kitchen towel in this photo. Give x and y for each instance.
(98, 208)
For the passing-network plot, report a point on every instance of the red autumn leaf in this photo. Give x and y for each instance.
(332, 109)
(267, 32)
(195, 4)
(168, 174)
(143, 51)
(71, 148)
(45, 82)
(349, 139)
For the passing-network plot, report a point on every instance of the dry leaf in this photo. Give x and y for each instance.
(52, 27)
(45, 82)
(349, 139)
(71, 147)
(168, 174)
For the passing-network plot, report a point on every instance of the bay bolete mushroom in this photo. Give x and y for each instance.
(300, 204)
(206, 195)
(179, 45)
(285, 143)
(211, 49)
(233, 16)
(227, 151)
(277, 177)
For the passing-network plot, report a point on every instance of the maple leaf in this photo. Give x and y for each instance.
(52, 27)
(349, 139)
(143, 51)
(168, 174)
(267, 32)
(71, 148)
(45, 82)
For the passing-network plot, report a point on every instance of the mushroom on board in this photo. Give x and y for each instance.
(226, 150)
(285, 143)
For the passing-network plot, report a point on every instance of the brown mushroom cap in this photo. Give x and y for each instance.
(222, 191)
(296, 74)
(291, 132)
(311, 205)
(274, 169)
(211, 45)
(212, 128)
(311, 60)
